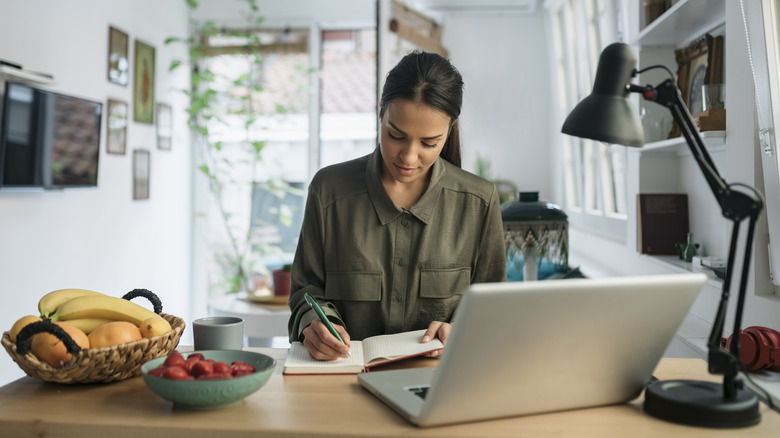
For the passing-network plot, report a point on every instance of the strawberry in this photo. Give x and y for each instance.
(176, 373)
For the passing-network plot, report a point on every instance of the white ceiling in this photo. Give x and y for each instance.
(445, 6)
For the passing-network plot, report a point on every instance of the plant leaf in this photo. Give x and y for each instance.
(258, 146)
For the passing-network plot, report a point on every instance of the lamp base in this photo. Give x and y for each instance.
(698, 403)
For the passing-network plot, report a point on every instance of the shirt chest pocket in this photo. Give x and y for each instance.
(354, 286)
(444, 283)
(440, 292)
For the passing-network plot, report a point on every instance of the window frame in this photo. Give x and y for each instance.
(594, 174)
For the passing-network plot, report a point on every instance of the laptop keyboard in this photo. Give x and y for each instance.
(420, 391)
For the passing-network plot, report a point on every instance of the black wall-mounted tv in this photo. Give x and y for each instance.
(47, 139)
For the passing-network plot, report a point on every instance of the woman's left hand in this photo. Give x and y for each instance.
(437, 329)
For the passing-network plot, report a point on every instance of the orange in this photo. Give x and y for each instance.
(114, 333)
(49, 348)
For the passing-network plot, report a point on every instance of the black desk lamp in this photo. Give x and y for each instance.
(606, 115)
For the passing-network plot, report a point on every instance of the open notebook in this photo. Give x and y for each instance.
(370, 352)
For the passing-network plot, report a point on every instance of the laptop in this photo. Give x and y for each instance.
(525, 348)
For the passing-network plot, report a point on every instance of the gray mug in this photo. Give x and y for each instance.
(218, 333)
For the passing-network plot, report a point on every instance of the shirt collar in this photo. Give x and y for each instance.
(386, 211)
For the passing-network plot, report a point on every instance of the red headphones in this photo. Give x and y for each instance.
(759, 348)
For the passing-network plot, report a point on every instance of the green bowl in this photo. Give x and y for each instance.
(207, 394)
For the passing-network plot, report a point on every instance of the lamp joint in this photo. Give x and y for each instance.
(722, 362)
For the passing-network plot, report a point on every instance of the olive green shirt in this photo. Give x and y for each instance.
(378, 269)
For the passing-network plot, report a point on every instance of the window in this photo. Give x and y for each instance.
(594, 186)
(280, 103)
(348, 115)
(313, 103)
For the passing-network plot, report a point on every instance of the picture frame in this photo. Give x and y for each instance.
(700, 63)
(164, 126)
(116, 121)
(118, 59)
(143, 87)
(141, 173)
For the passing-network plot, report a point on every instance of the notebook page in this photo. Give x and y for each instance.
(299, 356)
(398, 345)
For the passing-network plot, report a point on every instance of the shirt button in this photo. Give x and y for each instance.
(397, 297)
(404, 222)
(401, 262)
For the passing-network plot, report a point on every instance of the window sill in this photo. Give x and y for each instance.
(675, 264)
(613, 228)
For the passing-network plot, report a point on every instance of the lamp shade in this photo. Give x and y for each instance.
(606, 114)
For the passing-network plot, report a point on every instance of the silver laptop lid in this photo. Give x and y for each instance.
(530, 347)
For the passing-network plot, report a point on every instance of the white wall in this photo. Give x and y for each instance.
(503, 60)
(99, 238)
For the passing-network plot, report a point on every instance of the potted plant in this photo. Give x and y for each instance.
(235, 252)
(282, 280)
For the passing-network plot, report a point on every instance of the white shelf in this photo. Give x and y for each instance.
(713, 140)
(24, 76)
(683, 23)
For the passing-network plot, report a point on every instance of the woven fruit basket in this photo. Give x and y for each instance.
(91, 365)
(107, 364)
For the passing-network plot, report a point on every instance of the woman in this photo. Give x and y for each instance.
(390, 240)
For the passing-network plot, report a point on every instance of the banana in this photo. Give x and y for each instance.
(103, 307)
(87, 325)
(52, 300)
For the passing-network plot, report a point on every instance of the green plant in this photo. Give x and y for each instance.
(238, 256)
(482, 167)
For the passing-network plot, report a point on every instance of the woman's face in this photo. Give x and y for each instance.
(412, 136)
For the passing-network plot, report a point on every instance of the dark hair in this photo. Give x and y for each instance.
(430, 79)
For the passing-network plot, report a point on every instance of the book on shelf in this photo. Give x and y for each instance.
(365, 354)
(662, 222)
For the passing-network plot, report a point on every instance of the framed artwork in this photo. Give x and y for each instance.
(164, 128)
(141, 165)
(118, 61)
(143, 88)
(700, 63)
(117, 127)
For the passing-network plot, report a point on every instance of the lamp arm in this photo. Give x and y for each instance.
(667, 94)
(735, 206)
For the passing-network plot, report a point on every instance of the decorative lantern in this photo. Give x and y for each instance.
(537, 238)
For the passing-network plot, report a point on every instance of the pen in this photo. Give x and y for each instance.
(318, 310)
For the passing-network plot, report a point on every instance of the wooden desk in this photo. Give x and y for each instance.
(311, 406)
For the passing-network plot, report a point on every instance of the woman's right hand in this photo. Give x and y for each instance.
(322, 345)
